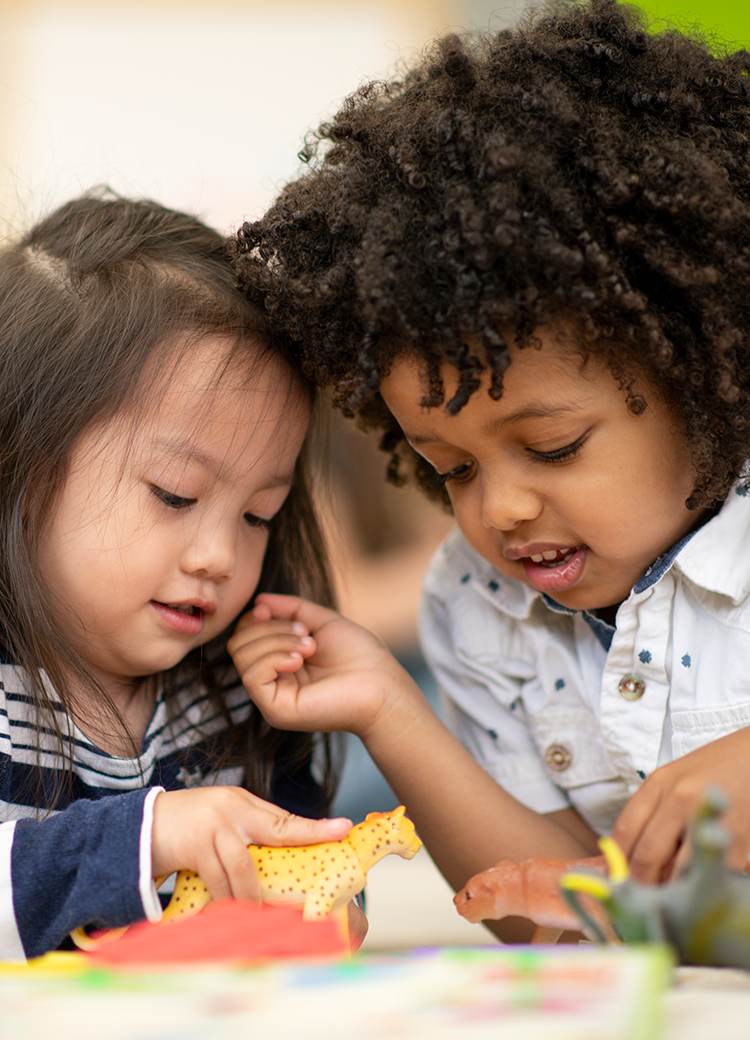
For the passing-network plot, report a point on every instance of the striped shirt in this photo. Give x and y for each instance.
(90, 863)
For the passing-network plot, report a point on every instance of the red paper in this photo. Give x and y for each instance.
(226, 931)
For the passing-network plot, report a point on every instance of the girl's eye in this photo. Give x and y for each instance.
(170, 500)
(558, 454)
(460, 473)
(255, 521)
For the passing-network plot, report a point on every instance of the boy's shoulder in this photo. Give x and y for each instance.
(716, 558)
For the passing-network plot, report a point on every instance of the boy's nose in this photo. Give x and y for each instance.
(211, 552)
(506, 505)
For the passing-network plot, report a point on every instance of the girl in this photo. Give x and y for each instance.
(153, 473)
(527, 263)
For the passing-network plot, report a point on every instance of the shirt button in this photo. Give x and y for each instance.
(558, 757)
(631, 687)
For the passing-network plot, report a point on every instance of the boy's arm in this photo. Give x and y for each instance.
(308, 668)
(653, 827)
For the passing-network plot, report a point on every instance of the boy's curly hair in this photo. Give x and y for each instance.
(576, 167)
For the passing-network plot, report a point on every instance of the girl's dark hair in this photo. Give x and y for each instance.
(577, 168)
(90, 296)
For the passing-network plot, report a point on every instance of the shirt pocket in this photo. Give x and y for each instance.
(697, 727)
(570, 745)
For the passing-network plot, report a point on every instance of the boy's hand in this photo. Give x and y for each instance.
(208, 829)
(308, 668)
(652, 828)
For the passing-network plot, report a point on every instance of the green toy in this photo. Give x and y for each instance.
(704, 914)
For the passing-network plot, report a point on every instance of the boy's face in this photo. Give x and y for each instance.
(556, 484)
(158, 538)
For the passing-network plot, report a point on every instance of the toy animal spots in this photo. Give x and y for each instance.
(324, 877)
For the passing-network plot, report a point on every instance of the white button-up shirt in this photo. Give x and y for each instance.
(557, 719)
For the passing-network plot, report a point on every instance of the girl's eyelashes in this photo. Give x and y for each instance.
(458, 473)
(171, 500)
(255, 521)
(558, 454)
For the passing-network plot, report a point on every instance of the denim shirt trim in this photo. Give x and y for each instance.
(603, 631)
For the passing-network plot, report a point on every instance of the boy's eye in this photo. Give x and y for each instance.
(171, 500)
(461, 472)
(255, 521)
(558, 454)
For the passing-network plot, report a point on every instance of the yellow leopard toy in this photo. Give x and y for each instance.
(323, 877)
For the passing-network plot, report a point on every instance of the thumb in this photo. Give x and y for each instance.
(288, 829)
(292, 608)
(260, 612)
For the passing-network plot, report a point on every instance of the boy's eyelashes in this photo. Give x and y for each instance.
(558, 454)
(463, 471)
(441, 479)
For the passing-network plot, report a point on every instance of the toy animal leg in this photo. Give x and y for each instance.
(190, 895)
(84, 941)
(546, 936)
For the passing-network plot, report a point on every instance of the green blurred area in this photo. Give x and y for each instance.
(725, 23)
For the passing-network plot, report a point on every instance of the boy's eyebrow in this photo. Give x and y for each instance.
(187, 452)
(529, 411)
(537, 411)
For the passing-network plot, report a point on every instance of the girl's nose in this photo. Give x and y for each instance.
(211, 552)
(505, 505)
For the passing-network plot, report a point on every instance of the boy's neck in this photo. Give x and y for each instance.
(606, 614)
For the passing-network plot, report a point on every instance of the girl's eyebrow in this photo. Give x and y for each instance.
(186, 452)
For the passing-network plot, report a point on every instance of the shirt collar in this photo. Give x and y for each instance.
(717, 557)
(603, 630)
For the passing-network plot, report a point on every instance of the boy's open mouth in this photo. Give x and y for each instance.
(554, 557)
(555, 570)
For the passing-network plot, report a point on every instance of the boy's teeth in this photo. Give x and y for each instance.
(551, 554)
(181, 608)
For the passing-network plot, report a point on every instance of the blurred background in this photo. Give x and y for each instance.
(204, 106)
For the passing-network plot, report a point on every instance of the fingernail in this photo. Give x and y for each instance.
(298, 628)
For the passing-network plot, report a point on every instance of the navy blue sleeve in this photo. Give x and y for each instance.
(78, 868)
(293, 786)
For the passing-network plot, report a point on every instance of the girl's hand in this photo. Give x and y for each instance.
(208, 829)
(308, 668)
(652, 828)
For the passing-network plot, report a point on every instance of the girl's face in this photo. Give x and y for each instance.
(556, 484)
(158, 538)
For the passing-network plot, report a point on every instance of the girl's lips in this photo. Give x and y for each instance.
(191, 624)
(556, 577)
